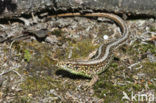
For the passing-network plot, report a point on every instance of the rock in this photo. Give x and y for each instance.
(13, 8)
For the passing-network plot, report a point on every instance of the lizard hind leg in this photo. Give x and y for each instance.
(93, 81)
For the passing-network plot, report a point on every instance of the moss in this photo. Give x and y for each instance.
(23, 99)
(143, 48)
(108, 82)
(147, 47)
(81, 49)
(57, 32)
(40, 71)
(40, 56)
(149, 68)
(152, 28)
(40, 85)
(114, 65)
(37, 85)
(34, 52)
(103, 30)
(59, 54)
(113, 93)
(152, 86)
(27, 55)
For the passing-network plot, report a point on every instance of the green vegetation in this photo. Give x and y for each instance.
(81, 49)
(57, 32)
(38, 85)
(27, 55)
(118, 78)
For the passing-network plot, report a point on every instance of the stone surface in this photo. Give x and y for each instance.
(10, 8)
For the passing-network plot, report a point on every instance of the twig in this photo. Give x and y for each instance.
(18, 74)
(5, 72)
(2, 26)
(132, 65)
(26, 22)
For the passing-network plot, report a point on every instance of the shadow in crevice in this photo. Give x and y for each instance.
(7, 5)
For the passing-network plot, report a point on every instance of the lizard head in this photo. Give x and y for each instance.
(72, 68)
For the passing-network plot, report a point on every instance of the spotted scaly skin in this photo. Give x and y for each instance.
(95, 66)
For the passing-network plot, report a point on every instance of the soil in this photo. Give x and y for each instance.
(31, 47)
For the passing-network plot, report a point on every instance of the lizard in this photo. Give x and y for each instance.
(92, 68)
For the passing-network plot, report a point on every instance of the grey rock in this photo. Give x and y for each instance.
(12, 8)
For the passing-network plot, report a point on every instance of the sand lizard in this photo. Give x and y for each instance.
(95, 66)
